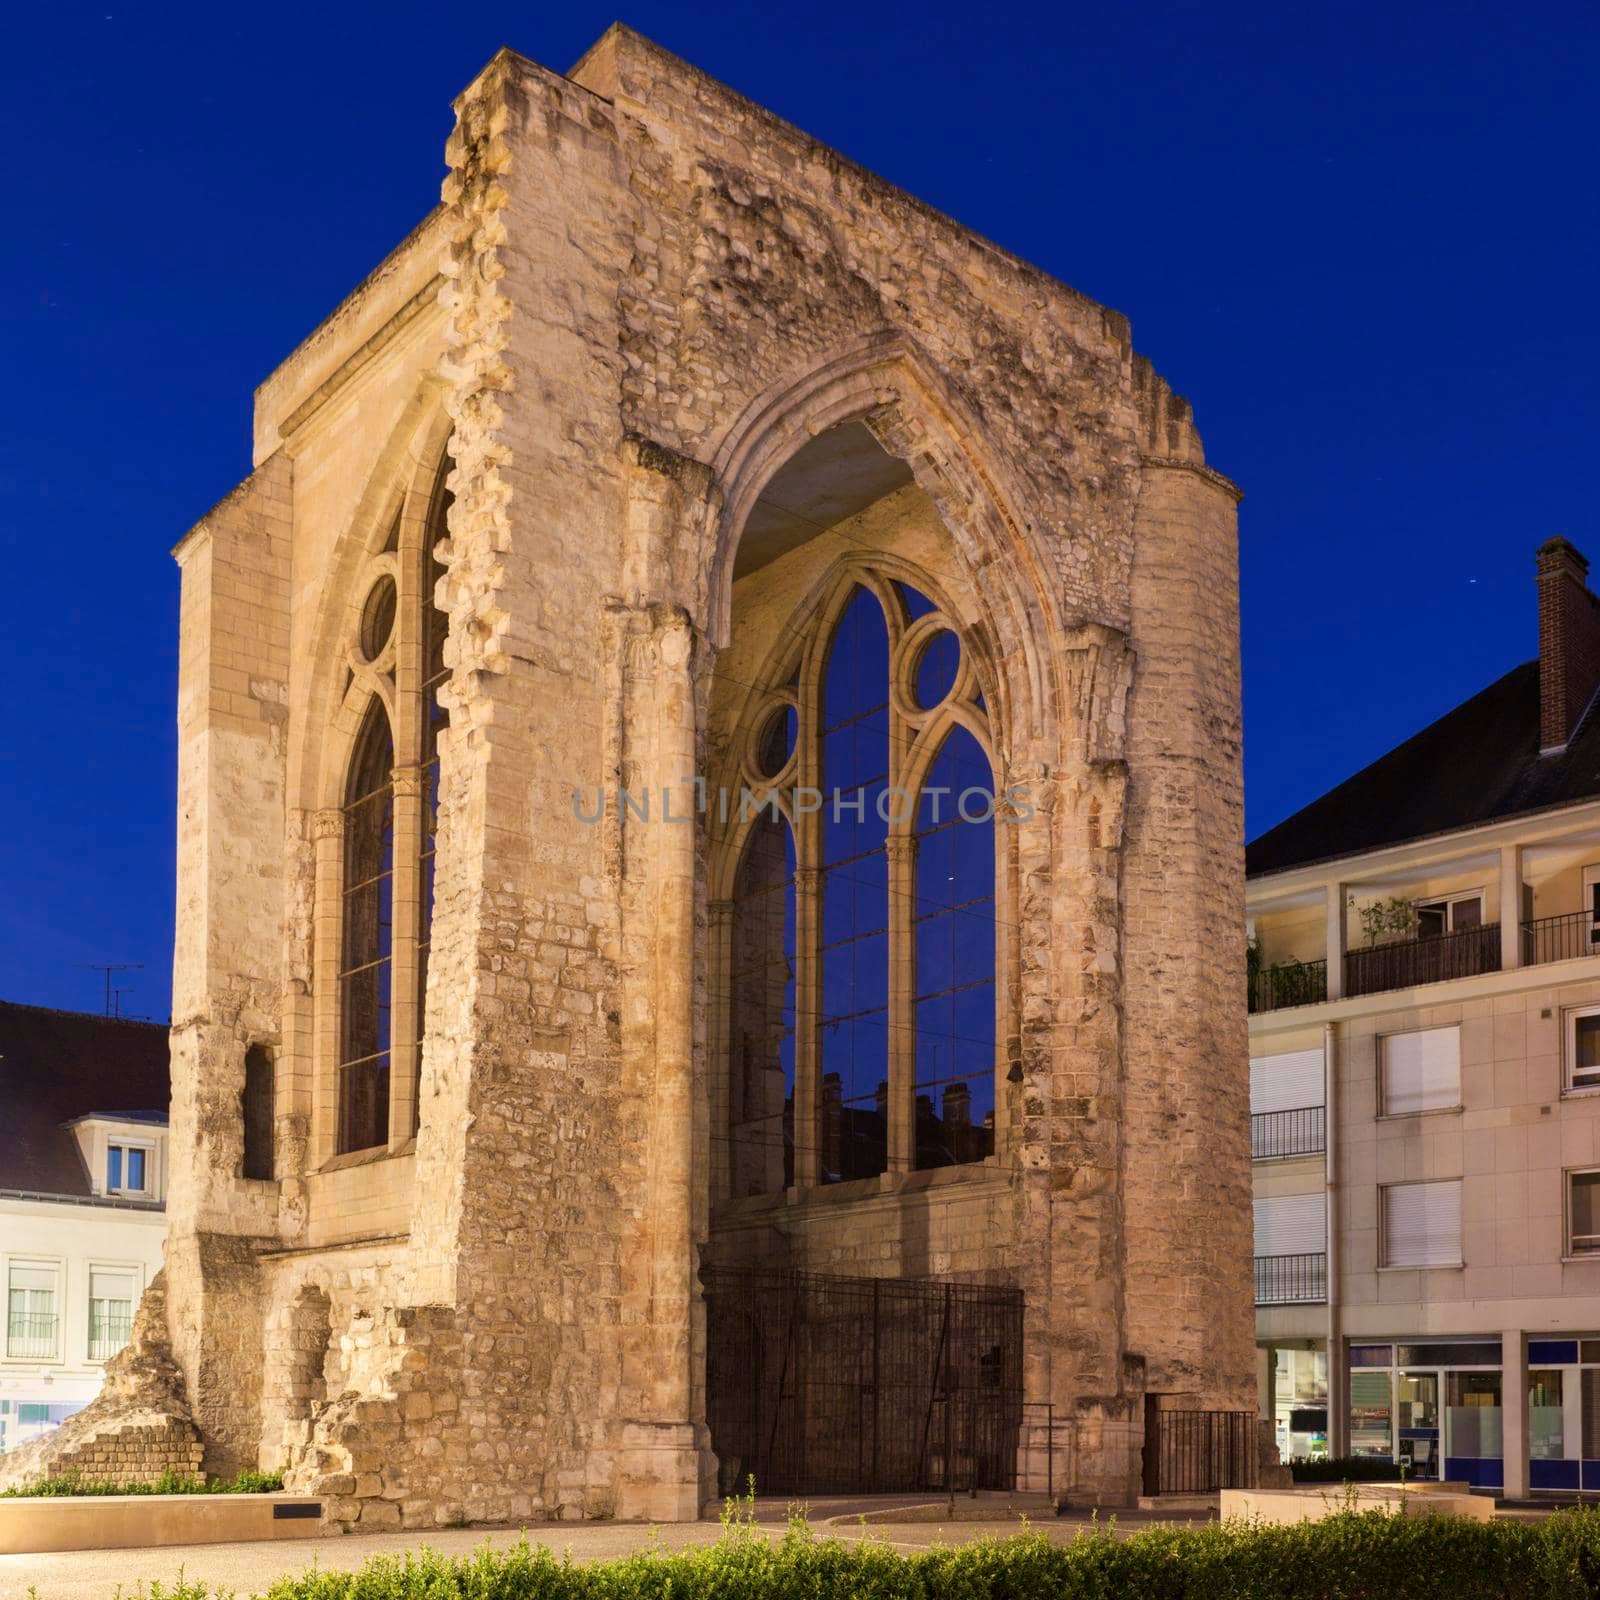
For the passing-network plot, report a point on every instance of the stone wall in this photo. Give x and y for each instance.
(640, 296)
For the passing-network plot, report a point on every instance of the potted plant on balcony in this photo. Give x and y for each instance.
(1388, 921)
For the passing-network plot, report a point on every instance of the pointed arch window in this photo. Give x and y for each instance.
(390, 812)
(861, 944)
(366, 975)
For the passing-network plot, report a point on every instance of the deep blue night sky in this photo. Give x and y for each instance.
(1363, 245)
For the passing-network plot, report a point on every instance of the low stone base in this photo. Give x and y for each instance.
(1311, 1503)
(665, 1472)
(117, 1522)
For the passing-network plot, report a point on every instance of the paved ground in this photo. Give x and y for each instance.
(248, 1569)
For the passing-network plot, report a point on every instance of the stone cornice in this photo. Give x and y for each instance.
(1198, 468)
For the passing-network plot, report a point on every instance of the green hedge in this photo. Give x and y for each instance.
(1345, 1469)
(1351, 1556)
(71, 1483)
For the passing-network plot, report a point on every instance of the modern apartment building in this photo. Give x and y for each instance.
(83, 1178)
(1425, 1085)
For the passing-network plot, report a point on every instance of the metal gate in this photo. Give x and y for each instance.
(1198, 1452)
(831, 1385)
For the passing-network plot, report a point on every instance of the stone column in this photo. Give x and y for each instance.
(901, 850)
(666, 1462)
(1335, 938)
(719, 1001)
(1510, 907)
(327, 833)
(404, 1013)
(1514, 1411)
(807, 1035)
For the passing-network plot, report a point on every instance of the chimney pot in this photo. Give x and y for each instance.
(1569, 642)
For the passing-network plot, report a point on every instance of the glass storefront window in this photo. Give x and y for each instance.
(1545, 1416)
(1419, 1400)
(1371, 1420)
(1473, 1418)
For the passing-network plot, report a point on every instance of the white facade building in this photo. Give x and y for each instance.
(1425, 1087)
(82, 1203)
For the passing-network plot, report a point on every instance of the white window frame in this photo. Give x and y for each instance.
(1571, 1252)
(135, 1272)
(45, 1263)
(122, 1142)
(1569, 1052)
(1385, 1190)
(1450, 902)
(1384, 1113)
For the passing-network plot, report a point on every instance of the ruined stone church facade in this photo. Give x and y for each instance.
(479, 1069)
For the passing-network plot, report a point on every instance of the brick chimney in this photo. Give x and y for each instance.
(1569, 642)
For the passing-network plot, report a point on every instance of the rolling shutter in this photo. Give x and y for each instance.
(1286, 1082)
(1422, 1224)
(1291, 1224)
(1421, 1071)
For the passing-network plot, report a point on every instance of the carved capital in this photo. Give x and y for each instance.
(407, 781)
(327, 823)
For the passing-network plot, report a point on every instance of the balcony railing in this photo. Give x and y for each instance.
(1301, 1132)
(109, 1332)
(1289, 983)
(1560, 938)
(1300, 1280)
(1409, 962)
(31, 1335)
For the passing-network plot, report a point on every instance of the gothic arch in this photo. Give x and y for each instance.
(401, 491)
(881, 381)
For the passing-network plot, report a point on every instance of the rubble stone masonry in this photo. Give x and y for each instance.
(640, 297)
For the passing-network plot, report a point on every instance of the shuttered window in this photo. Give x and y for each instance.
(1421, 1071)
(1285, 1082)
(1291, 1224)
(1422, 1224)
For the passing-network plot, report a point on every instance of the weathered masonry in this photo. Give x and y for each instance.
(675, 462)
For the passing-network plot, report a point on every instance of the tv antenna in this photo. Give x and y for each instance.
(114, 996)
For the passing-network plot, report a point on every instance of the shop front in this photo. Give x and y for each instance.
(1436, 1409)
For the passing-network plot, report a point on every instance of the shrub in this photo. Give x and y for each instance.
(1354, 1554)
(1344, 1469)
(170, 1482)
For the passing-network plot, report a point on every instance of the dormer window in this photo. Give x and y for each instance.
(126, 1169)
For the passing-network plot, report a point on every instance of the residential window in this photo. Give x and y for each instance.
(1421, 1224)
(1583, 1048)
(32, 1321)
(111, 1298)
(127, 1169)
(1583, 1213)
(1453, 914)
(1420, 1071)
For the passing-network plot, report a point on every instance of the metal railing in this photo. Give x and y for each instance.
(1289, 983)
(31, 1335)
(1560, 938)
(1298, 1280)
(109, 1332)
(1199, 1452)
(1408, 962)
(1300, 1132)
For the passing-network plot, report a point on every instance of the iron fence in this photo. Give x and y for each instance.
(1292, 1280)
(1199, 1452)
(1408, 962)
(1560, 938)
(818, 1384)
(1300, 1132)
(1289, 983)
